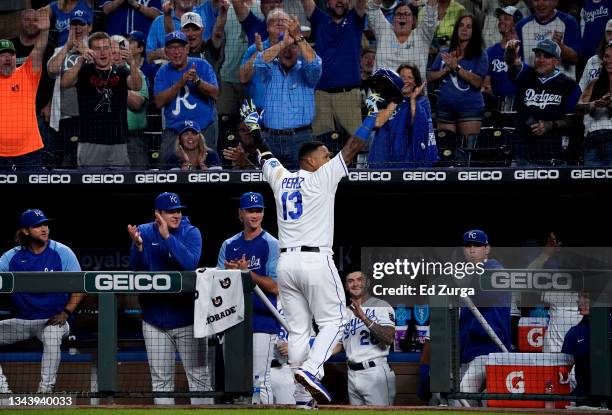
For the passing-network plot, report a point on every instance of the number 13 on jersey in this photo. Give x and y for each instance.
(292, 205)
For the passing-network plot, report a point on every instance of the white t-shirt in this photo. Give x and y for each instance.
(305, 202)
(359, 345)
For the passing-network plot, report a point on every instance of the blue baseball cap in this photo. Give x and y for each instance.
(168, 201)
(475, 237)
(176, 36)
(138, 36)
(190, 125)
(32, 217)
(550, 47)
(251, 200)
(80, 15)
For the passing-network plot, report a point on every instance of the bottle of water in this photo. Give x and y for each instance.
(256, 391)
(549, 390)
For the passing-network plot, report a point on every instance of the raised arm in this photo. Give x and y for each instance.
(69, 79)
(134, 80)
(111, 6)
(168, 22)
(247, 70)
(512, 58)
(147, 11)
(43, 24)
(218, 33)
(360, 7)
(241, 9)
(309, 7)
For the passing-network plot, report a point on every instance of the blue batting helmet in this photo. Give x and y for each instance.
(387, 83)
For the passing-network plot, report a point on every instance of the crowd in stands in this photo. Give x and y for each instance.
(124, 83)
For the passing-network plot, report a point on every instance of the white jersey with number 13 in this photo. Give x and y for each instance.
(305, 202)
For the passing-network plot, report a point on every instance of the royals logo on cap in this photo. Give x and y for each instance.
(176, 37)
(251, 200)
(168, 201)
(191, 18)
(32, 217)
(475, 237)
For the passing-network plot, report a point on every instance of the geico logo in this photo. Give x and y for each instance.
(49, 178)
(591, 174)
(535, 337)
(132, 282)
(538, 280)
(424, 176)
(251, 177)
(102, 178)
(369, 176)
(8, 178)
(515, 382)
(536, 174)
(209, 177)
(156, 178)
(479, 175)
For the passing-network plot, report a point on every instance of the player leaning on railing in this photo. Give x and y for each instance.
(307, 277)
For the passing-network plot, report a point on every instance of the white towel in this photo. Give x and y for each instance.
(219, 303)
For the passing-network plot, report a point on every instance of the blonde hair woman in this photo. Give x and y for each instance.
(191, 152)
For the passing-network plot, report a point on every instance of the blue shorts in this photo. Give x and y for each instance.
(452, 117)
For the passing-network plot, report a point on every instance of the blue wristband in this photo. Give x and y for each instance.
(367, 126)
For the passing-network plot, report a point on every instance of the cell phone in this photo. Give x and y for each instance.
(123, 44)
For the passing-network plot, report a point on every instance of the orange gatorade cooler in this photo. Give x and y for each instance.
(531, 333)
(528, 373)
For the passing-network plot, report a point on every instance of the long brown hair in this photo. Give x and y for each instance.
(473, 50)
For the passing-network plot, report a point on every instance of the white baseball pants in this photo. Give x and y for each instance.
(263, 353)
(372, 386)
(161, 348)
(14, 330)
(310, 286)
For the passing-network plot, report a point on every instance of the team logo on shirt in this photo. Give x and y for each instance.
(499, 65)
(217, 301)
(542, 99)
(591, 15)
(225, 283)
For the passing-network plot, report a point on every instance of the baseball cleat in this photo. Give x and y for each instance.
(312, 385)
(310, 405)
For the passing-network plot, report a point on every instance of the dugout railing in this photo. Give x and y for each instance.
(444, 349)
(103, 354)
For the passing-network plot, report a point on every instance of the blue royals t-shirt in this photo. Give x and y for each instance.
(339, 46)
(55, 257)
(189, 104)
(501, 84)
(454, 89)
(262, 253)
(594, 16)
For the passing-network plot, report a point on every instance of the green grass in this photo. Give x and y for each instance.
(187, 411)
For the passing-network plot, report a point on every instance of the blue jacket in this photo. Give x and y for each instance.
(180, 252)
(401, 144)
(55, 257)
(577, 342)
(473, 339)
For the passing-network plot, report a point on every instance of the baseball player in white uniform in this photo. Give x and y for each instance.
(366, 340)
(307, 277)
(306, 274)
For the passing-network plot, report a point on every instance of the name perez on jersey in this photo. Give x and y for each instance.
(292, 183)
